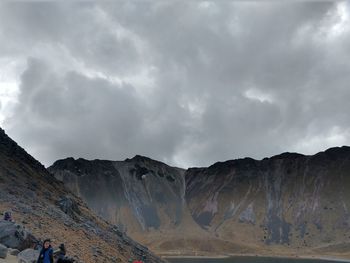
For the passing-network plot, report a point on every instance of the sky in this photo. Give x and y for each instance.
(189, 83)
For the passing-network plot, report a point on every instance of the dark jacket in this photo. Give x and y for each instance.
(7, 216)
(61, 256)
(46, 254)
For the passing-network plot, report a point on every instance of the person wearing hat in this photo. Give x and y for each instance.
(46, 254)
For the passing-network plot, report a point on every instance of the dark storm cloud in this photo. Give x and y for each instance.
(84, 116)
(185, 82)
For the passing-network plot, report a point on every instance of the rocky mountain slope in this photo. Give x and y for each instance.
(47, 208)
(292, 200)
(290, 203)
(150, 190)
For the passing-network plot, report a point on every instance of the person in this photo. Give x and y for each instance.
(8, 216)
(60, 255)
(46, 253)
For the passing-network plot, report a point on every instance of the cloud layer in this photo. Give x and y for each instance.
(185, 82)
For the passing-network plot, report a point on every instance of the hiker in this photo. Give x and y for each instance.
(46, 253)
(8, 216)
(61, 255)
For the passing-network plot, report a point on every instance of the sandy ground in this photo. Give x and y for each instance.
(9, 259)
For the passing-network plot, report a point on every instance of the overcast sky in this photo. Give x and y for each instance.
(185, 82)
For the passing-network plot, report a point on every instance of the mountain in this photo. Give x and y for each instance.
(46, 208)
(288, 204)
(118, 191)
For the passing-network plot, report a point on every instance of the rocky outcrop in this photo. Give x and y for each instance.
(70, 207)
(16, 236)
(28, 256)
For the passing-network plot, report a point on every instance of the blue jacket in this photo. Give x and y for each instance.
(46, 255)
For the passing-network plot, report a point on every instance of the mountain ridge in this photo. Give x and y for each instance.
(289, 201)
(283, 155)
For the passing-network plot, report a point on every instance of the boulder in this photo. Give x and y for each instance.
(16, 236)
(28, 256)
(3, 251)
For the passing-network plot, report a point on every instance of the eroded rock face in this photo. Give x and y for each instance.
(290, 199)
(285, 199)
(248, 215)
(147, 191)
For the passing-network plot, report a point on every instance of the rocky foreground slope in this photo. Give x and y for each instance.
(47, 208)
(287, 204)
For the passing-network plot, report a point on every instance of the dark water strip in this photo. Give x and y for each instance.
(243, 259)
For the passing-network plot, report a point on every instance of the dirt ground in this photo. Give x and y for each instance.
(9, 259)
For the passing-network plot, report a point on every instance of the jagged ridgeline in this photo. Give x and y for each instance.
(290, 202)
(44, 208)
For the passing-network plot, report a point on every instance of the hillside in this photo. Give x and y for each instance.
(48, 209)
